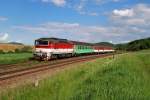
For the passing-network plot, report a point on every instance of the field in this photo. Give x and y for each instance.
(10, 47)
(12, 58)
(126, 77)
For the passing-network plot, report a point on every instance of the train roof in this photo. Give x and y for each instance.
(53, 39)
(63, 40)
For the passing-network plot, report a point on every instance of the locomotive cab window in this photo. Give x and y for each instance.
(41, 42)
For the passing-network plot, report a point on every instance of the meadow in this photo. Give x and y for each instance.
(11, 58)
(126, 77)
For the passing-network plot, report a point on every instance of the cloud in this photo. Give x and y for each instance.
(59, 3)
(3, 37)
(57, 27)
(80, 6)
(3, 18)
(93, 14)
(134, 21)
(83, 7)
(124, 25)
(76, 31)
(100, 2)
(73, 31)
(138, 15)
(123, 13)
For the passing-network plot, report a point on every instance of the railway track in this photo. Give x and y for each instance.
(6, 75)
(11, 67)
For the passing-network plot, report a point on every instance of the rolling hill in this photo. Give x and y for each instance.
(135, 45)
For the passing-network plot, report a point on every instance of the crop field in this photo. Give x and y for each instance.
(12, 58)
(10, 47)
(126, 77)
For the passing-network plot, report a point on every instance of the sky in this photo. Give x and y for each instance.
(115, 21)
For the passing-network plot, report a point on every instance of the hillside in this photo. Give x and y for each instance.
(135, 45)
(105, 44)
(124, 77)
(16, 43)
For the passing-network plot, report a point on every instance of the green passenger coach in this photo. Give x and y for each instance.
(80, 48)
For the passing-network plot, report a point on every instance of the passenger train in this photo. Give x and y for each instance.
(51, 48)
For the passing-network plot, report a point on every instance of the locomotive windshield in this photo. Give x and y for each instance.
(41, 42)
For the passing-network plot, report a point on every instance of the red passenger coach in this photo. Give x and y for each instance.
(98, 49)
(102, 49)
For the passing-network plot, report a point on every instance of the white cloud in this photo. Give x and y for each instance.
(76, 31)
(73, 31)
(133, 22)
(93, 14)
(3, 18)
(57, 27)
(59, 3)
(3, 37)
(123, 13)
(139, 15)
(126, 24)
(100, 2)
(80, 7)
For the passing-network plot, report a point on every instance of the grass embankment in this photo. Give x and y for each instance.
(12, 58)
(127, 77)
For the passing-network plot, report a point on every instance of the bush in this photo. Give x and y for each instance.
(26, 49)
(17, 50)
(10, 52)
(2, 52)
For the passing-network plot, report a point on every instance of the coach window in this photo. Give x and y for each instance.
(85, 47)
(78, 46)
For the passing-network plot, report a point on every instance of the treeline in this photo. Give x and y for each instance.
(105, 44)
(134, 45)
(25, 49)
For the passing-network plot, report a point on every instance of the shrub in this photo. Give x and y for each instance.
(10, 52)
(26, 49)
(17, 50)
(2, 52)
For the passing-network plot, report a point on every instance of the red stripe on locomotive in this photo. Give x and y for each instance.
(56, 46)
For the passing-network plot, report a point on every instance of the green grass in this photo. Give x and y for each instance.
(127, 77)
(14, 58)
